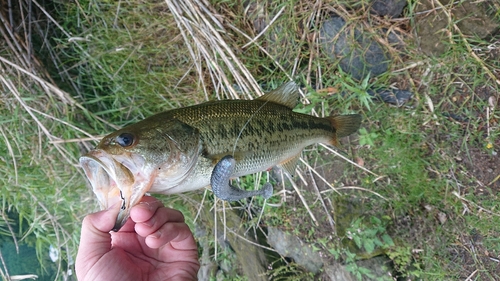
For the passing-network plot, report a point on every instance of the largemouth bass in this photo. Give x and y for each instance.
(207, 144)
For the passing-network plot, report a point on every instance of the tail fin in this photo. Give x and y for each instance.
(345, 125)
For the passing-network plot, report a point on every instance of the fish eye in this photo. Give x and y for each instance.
(125, 139)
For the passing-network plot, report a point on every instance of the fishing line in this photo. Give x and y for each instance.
(248, 121)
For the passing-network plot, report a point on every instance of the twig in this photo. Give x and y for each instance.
(264, 51)
(466, 43)
(16, 94)
(474, 204)
(6, 219)
(62, 122)
(92, 138)
(330, 219)
(265, 29)
(348, 160)
(6, 274)
(63, 96)
(251, 242)
(359, 188)
(470, 276)
(317, 174)
(412, 65)
(11, 152)
(196, 25)
(304, 202)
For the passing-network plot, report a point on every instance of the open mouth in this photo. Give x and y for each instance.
(112, 179)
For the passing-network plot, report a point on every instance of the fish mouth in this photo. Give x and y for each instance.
(115, 178)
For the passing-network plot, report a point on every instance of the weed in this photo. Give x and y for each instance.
(119, 62)
(366, 138)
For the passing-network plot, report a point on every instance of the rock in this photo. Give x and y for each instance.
(207, 266)
(358, 54)
(392, 96)
(472, 18)
(291, 246)
(379, 269)
(337, 272)
(396, 97)
(390, 8)
(395, 39)
(246, 258)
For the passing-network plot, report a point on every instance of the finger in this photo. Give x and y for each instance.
(160, 217)
(127, 227)
(145, 209)
(95, 240)
(177, 234)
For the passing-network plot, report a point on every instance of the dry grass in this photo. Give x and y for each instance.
(119, 62)
(35, 175)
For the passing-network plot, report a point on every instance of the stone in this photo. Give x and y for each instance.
(390, 8)
(291, 246)
(393, 96)
(471, 17)
(356, 51)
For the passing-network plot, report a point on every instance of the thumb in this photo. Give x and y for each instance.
(95, 240)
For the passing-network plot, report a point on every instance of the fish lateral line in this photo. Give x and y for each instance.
(286, 95)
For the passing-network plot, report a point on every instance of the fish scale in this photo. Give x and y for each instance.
(253, 131)
(247, 118)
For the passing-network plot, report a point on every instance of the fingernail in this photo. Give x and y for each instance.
(145, 205)
(155, 235)
(150, 222)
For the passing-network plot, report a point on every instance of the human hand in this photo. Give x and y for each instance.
(154, 244)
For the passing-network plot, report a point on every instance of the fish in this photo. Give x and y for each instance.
(207, 144)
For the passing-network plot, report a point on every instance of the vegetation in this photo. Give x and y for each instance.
(423, 187)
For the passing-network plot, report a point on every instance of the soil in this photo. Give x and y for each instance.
(485, 168)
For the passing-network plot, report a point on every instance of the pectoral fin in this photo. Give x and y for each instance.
(221, 187)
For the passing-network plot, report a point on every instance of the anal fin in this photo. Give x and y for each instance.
(290, 164)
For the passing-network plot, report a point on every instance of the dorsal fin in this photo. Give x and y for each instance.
(287, 95)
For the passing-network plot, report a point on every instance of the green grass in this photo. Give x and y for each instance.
(127, 61)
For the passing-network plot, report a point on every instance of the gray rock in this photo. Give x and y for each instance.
(379, 268)
(471, 17)
(291, 246)
(390, 8)
(337, 272)
(395, 39)
(393, 96)
(358, 54)
(244, 258)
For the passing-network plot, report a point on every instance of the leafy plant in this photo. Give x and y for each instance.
(367, 138)
(368, 237)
